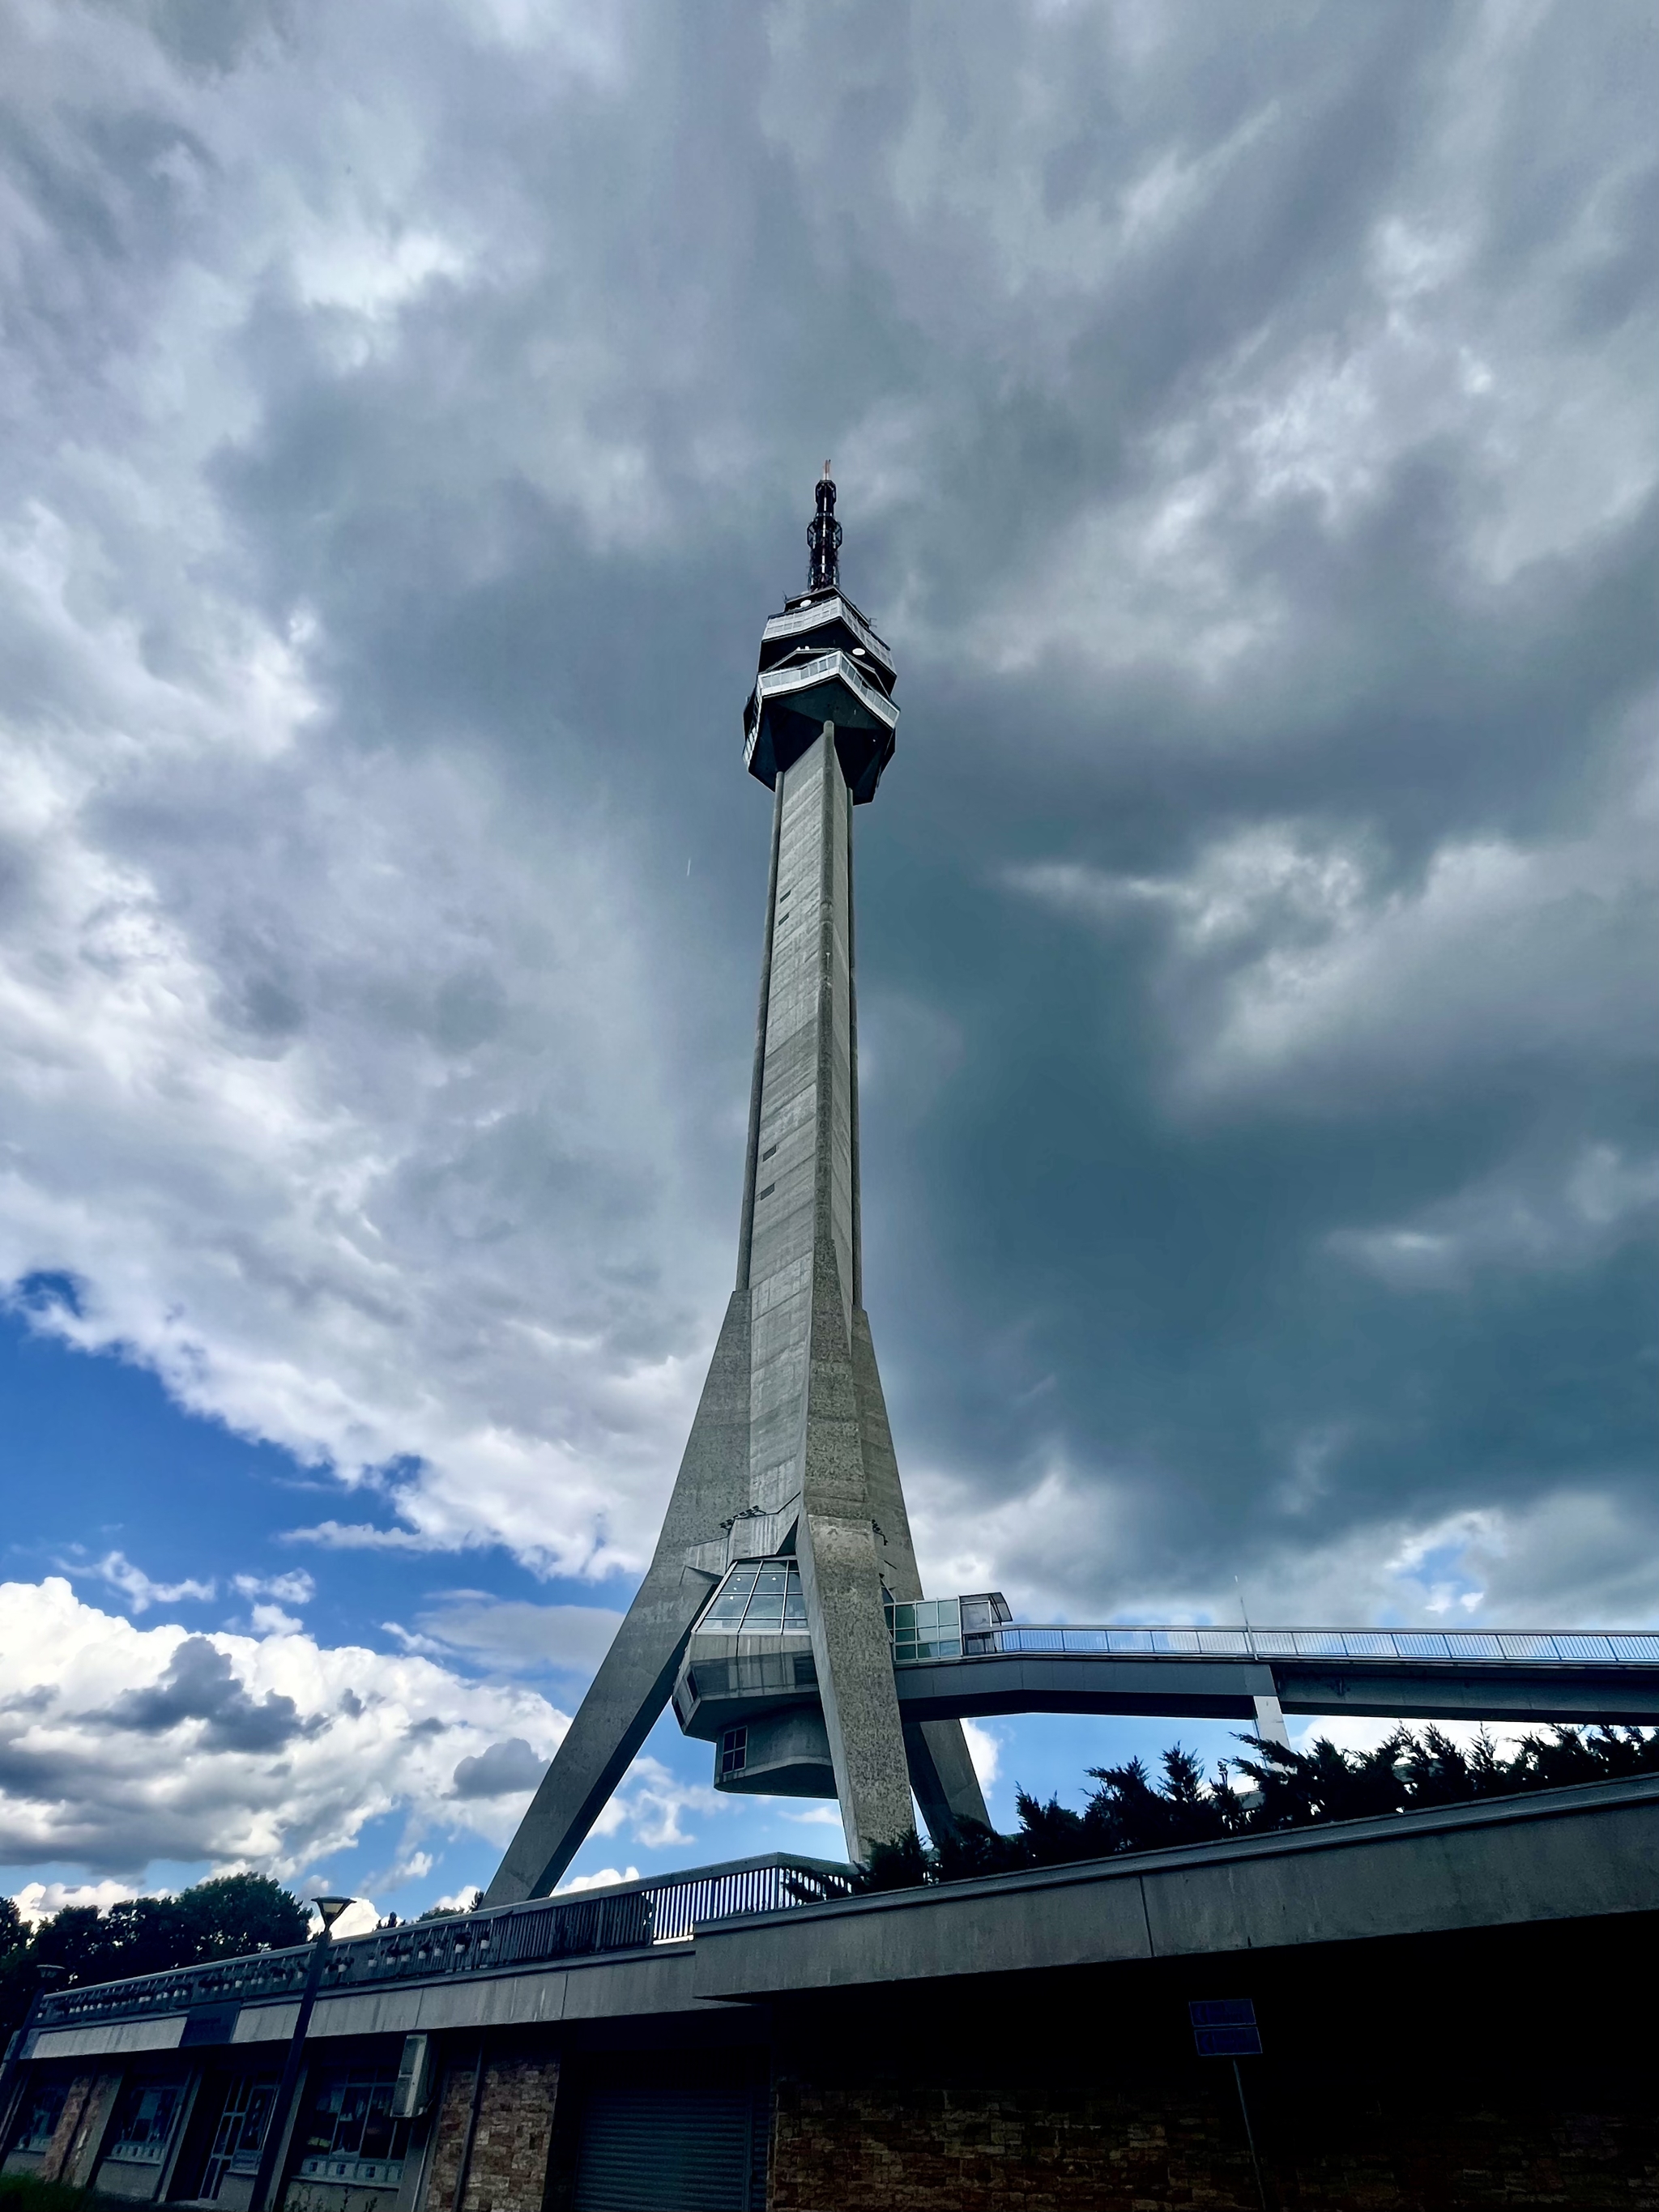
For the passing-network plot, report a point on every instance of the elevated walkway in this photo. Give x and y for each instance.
(965, 1658)
(1218, 1674)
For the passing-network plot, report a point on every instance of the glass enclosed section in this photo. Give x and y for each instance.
(928, 1628)
(946, 1627)
(759, 1597)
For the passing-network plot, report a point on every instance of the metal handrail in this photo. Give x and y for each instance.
(1451, 1646)
(623, 1916)
(821, 613)
(779, 681)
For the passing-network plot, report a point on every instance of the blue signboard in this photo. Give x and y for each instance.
(1224, 2027)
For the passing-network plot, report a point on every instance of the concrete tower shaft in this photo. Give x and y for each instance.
(790, 1461)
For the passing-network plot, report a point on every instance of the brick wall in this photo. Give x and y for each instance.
(1157, 2140)
(507, 2166)
(899, 2145)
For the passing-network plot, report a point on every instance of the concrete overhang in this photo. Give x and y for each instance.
(1560, 1855)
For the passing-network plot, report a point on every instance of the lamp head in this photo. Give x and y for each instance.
(328, 1910)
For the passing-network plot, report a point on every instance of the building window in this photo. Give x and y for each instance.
(759, 1597)
(734, 1751)
(144, 2123)
(241, 2132)
(39, 2116)
(351, 2135)
(931, 1628)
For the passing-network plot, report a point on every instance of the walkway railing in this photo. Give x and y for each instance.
(967, 1628)
(627, 1916)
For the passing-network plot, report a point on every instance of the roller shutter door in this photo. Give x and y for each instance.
(662, 2149)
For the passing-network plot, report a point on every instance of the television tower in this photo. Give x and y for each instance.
(763, 1613)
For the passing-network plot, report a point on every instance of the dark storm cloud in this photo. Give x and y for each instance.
(1245, 423)
(200, 1685)
(504, 1770)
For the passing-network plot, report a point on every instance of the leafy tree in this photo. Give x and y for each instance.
(451, 1911)
(900, 1865)
(17, 1975)
(232, 1914)
(225, 1917)
(1128, 1811)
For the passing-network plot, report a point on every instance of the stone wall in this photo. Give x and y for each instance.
(506, 2159)
(79, 2136)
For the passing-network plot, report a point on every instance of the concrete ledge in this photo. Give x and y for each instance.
(656, 1982)
(1562, 1854)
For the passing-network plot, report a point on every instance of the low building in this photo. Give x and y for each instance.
(1452, 2006)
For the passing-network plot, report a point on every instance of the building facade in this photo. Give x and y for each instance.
(1452, 2009)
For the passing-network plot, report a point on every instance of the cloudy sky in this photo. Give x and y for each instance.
(1247, 436)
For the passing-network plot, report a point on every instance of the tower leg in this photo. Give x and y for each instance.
(941, 1770)
(1270, 1721)
(840, 1568)
(636, 1678)
(942, 1775)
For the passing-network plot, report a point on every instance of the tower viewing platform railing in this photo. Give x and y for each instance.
(965, 1657)
(624, 1916)
(960, 1628)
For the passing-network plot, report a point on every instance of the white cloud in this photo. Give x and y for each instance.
(985, 1749)
(271, 1620)
(139, 1590)
(513, 1633)
(128, 1745)
(654, 1803)
(296, 1588)
(606, 1877)
(287, 1150)
(365, 1536)
(38, 1900)
(333, 1076)
(360, 1917)
(124, 1746)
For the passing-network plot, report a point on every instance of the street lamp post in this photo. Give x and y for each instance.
(328, 1910)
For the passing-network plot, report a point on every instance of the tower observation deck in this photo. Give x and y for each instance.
(788, 1500)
